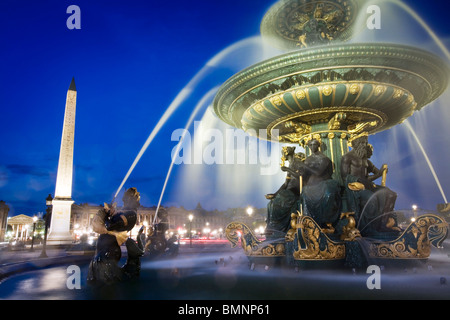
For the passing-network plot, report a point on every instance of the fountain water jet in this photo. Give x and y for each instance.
(209, 67)
(197, 109)
(372, 198)
(173, 106)
(430, 166)
(440, 45)
(446, 52)
(414, 15)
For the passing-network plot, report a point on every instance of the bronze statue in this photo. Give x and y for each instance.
(388, 220)
(363, 197)
(156, 239)
(113, 226)
(285, 200)
(321, 197)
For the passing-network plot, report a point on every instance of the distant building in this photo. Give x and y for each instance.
(21, 226)
(204, 223)
(216, 221)
(82, 215)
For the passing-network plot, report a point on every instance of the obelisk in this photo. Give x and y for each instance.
(62, 202)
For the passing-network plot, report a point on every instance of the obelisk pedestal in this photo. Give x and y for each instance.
(62, 203)
(60, 223)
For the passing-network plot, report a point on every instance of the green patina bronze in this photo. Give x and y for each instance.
(333, 93)
(289, 21)
(391, 80)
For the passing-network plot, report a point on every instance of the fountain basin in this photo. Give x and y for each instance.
(307, 243)
(375, 85)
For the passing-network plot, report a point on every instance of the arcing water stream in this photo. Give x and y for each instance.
(256, 41)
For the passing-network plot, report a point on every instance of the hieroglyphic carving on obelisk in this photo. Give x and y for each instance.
(62, 202)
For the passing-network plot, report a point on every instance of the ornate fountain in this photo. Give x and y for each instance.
(326, 96)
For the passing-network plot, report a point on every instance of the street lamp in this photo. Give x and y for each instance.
(48, 217)
(190, 217)
(207, 230)
(261, 230)
(414, 207)
(34, 230)
(249, 212)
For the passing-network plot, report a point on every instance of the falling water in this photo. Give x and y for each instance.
(411, 130)
(218, 59)
(423, 24)
(441, 46)
(362, 16)
(199, 106)
(373, 197)
(184, 94)
(373, 220)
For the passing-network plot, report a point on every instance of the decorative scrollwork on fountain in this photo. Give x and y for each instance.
(237, 230)
(349, 231)
(415, 242)
(314, 244)
(251, 245)
(270, 250)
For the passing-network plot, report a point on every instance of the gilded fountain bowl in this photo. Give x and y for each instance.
(377, 84)
(287, 21)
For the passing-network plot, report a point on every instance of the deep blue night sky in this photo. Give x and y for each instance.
(130, 59)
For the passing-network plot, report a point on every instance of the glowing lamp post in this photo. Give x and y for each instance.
(261, 230)
(48, 218)
(34, 230)
(249, 212)
(190, 217)
(207, 230)
(414, 207)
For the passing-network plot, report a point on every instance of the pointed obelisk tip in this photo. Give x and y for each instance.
(72, 85)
